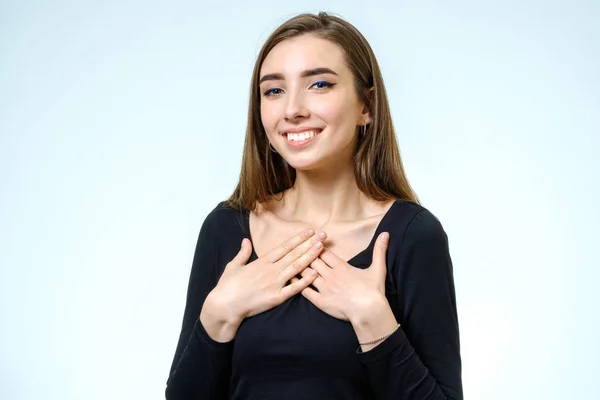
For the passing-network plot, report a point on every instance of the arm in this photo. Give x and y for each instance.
(421, 360)
(201, 366)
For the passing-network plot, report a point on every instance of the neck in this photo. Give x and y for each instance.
(319, 197)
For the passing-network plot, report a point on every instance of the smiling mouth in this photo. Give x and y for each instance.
(301, 137)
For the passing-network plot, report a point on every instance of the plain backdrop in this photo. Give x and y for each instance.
(121, 128)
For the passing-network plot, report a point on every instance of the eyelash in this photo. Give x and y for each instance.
(270, 92)
(325, 83)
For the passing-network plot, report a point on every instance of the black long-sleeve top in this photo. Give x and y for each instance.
(296, 351)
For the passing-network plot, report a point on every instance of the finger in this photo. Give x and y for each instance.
(322, 269)
(380, 251)
(313, 296)
(298, 265)
(332, 259)
(278, 252)
(242, 257)
(297, 285)
(301, 250)
(303, 273)
(296, 278)
(318, 283)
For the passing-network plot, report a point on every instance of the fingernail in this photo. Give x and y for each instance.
(310, 232)
(321, 236)
(243, 243)
(318, 245)
(385, 236)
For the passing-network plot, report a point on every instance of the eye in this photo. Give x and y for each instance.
(272, 92)
(322, 85)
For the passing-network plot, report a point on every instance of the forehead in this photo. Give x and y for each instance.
(301, 53)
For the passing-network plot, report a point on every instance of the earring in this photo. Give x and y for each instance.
(363, 130)
(271, 147)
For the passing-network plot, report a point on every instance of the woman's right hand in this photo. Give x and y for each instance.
(245, 290)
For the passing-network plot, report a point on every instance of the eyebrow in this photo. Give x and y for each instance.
(304, 74)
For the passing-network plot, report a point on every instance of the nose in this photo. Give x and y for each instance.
(295, 107)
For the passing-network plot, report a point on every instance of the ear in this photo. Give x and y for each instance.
(365, 116)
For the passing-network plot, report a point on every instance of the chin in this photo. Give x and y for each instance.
(305, 164)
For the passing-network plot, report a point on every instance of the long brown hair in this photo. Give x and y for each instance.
(377, 164)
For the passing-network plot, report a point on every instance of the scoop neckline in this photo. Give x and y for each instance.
(352, 260)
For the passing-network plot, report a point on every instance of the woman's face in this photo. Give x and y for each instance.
(309, 106)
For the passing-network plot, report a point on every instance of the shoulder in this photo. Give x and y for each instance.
(413, 223)
(418, 247)
(224, 218)
(223, 230)
(223, 211)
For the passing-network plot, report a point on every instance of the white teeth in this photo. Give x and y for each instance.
(299, 137)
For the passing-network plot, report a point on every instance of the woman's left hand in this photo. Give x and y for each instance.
(346, 292)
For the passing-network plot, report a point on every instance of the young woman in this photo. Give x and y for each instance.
(343, 287)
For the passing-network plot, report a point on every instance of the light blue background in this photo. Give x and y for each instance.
(121, 127)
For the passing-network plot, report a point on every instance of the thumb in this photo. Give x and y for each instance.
(379, 253)
(243, 255)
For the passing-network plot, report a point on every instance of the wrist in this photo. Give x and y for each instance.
(377, 322)
(371, 313)
(219, 324)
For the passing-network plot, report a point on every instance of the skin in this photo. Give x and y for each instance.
(311, 101)
(305, 83)
(245, 290)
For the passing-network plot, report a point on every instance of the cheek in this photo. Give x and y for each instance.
(336, 112)
(269, 116)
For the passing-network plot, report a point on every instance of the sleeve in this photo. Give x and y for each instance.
(201, 366)
(421, 360)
